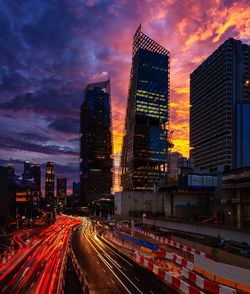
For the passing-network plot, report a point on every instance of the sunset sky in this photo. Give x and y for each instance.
(50, 50)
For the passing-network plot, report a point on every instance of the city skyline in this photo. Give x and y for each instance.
(64, 58)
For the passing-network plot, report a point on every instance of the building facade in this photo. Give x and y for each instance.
(4, 196)
(144, 152)
(61, 190)
(50, 183)
(95, 143)
(76, 191)
(220, 109)
(27, 170)
(36, 173)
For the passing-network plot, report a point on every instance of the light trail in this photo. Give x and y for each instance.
(90, 236)
(37, 265)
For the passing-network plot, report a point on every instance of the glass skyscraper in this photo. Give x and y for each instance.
(50, 183)
(220, 109)
(144, 152)
(96, 143)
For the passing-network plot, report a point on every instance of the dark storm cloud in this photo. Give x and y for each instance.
(47, 102)
(5, 162)
(31, 137)
(50, 50)
(10, 143)
(65, 125)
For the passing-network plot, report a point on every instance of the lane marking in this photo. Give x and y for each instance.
(115, 252)
(105, 262)
(110, 259)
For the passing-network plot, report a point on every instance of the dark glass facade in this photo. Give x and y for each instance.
(27, 170)
(95, 143)
(220, 109)
(61, 190)
(50, 183)
(36, 173)
(144, 152)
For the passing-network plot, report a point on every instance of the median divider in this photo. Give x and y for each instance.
(61, 279)
(79, 272)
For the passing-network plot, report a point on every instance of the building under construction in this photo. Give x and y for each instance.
(95, 143)
(144, 153)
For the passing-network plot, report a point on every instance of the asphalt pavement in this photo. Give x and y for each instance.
(108, 271)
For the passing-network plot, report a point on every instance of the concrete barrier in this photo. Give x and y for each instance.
(79, 272)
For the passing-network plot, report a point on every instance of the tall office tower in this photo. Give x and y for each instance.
(11, 171)
(220, 109)
(144, 152)
(50, 182)
(76, 191)
(95, 143)
(36, 174)
(27, 170)
(61, 190)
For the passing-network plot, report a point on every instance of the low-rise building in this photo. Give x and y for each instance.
(235, 200)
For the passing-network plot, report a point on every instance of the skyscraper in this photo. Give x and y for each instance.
(36, 174)
(220, 109)
(61, 190)
(76, 191)
(49, 182)
(144, 152)
(95, 142)
(27, 170)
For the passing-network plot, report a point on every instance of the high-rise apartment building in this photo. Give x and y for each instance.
(50, 183)
(220, 109)
(95, 142)
(144, 152)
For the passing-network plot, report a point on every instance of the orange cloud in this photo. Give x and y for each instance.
(191, 32)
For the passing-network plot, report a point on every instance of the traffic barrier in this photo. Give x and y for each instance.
(173, 281)
(176, 259)
(172, 243)
(79, 272)
(208, 286)
(61, 279)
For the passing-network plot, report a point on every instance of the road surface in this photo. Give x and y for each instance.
(109, 272)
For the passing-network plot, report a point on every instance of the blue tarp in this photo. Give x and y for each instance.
(136, 241)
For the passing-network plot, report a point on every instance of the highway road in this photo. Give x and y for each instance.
(109, 272)
(36, 267)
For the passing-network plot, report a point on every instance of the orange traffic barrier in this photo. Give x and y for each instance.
(243, 288)
(225, 282)
(209, 275)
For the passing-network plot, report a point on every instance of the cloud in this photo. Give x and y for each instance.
(50, 54)
(65, 125)
(10, 144)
